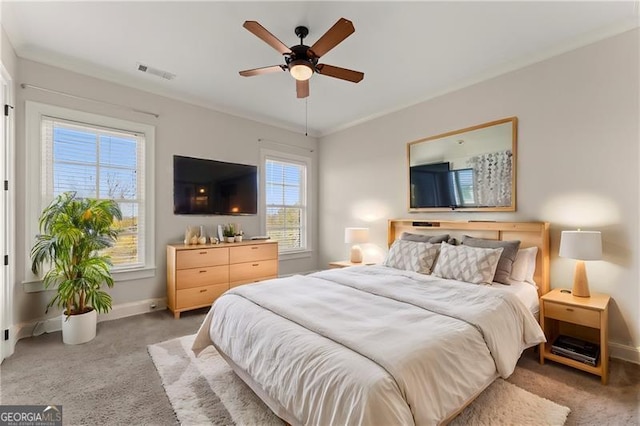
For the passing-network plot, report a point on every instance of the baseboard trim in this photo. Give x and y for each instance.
(624, 352)
(123, 310)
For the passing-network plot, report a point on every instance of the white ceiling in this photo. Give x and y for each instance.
(409, 51)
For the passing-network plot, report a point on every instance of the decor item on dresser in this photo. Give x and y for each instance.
(229, 233)
(467, 169)
(197, 275)
(356, 236)
(75, 232)
(581, 245)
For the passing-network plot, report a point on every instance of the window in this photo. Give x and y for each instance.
(98, 157)
(286, 209)
(100, 163)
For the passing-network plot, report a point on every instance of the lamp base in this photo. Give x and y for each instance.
(356, 254)
(580, 282)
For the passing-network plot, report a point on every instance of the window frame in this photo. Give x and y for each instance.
(34, 113)
(268, 154)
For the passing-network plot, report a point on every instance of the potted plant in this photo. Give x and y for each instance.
(74, 232)
(229, 233)
(239, 236)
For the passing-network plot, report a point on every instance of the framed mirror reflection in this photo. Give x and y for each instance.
(471, 169)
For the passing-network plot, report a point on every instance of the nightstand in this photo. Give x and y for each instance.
(583, 317)
(345, 263)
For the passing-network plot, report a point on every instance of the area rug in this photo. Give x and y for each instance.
(206, 391)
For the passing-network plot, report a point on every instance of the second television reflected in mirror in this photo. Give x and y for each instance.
(472, 169)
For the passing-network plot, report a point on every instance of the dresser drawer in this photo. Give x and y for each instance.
(198, 277)
(251, 281)
(204, 257)
(199, 296)
(251, 271)
(252, 253)
(572, 314)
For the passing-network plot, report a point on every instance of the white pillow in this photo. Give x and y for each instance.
(412, 256)
(524, 265)
(465, 263)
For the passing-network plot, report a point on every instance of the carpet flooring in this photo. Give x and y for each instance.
(113, 381)
(205, 390)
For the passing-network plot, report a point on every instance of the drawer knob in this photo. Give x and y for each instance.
(255, 264)
(569, 309)
(203, 290)
(203, 252)
(202, 272)
(254, 248)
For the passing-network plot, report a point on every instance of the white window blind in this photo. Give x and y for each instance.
(100, 163)
(286, 203)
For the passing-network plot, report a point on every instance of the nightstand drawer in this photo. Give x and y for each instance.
(572, 314)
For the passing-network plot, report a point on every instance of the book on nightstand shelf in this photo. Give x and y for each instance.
(576, 349)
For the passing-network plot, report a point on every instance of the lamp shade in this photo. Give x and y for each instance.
(356, 235)
(581, 245)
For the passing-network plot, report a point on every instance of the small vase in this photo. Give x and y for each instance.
(231, 239)
(238, 238)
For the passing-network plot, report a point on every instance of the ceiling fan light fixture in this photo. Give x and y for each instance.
(300, 70)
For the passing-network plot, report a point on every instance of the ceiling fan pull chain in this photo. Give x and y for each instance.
(306, 116)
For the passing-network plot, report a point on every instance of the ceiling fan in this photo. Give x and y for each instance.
(302, 61)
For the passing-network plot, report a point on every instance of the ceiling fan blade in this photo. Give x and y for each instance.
(336, 34)
(262, 33)
(263, 70)
(341, 73)
(302, 88)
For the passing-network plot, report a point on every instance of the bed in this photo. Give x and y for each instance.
(378, 344)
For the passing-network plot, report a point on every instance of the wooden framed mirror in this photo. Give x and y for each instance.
(472, 169)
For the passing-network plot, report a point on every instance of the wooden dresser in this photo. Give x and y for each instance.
(198, 274)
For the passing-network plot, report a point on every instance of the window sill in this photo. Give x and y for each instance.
(291, 255)
(36, 286)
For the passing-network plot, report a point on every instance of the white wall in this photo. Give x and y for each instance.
(181, 129)
(7, 54)
(577, 165)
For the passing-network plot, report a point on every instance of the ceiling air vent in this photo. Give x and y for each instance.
(155, 71)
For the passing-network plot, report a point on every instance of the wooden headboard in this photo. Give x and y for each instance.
(529, 233)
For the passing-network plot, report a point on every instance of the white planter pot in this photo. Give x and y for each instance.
(79, 329)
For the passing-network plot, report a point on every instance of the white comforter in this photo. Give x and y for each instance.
(370, 345)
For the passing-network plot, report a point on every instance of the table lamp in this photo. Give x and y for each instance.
(356, 236)
(581, 245)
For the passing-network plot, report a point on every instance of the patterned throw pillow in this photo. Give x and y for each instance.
(508, 256)
(465, 263)
(412, 256)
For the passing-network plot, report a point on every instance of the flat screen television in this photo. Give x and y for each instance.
(209, 187)
(436, 185)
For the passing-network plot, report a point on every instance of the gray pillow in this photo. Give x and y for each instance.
(420, 238)
(508, 256)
